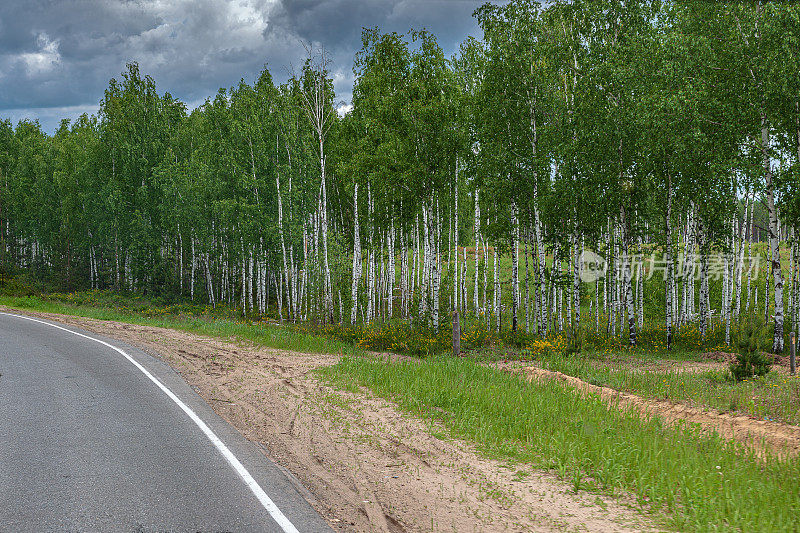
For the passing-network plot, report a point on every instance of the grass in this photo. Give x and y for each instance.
(700, 482)
(137, 310)
(775, 396)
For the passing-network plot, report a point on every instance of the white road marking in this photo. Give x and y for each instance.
(252, 484)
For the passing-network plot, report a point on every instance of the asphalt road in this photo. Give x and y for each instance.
(90, 442)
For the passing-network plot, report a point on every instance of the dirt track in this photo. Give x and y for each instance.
(367, 466)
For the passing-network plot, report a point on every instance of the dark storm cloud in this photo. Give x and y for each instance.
(56, 56)
(340, 21)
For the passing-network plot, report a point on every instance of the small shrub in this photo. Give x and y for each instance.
(750, 359)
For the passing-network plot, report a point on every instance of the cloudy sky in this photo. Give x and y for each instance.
(56, 56)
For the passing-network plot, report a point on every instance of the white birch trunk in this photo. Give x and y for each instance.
(597, 306)
(796, 283)
(693, 313)
(766, 289)
(436, 270)
(527, 288)
(454, 244)
(607, 277)
(418, 247)
(305, 308)
(515, 299)
(790, 313)
(356, 258)
(194, 268)
(286, 274)
(391, 273)
(279, 287)
(669, 286)
(209, 281)
(576, 283)
(774, 243)
(749, 253)
(615, 295)
(244, 280)
(404, 292)
(486, 313)
(381, 269)
(328, 289)
(371, 265)
(293, 305)
(496, 296)
(476, 232)
(425, 280)
(250, 281)
(755, 302)
(224, 282)
(728, 291)
(704, 300)
(558, 292)
(626, 278)
(462, 281)
(740, 259)
(795, 246)
(541, 267)
(116, 265)
(684, 258)
(414, 260)
(259, 289)
(640, 285)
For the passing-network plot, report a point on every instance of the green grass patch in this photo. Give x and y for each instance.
(138, 310)
(700, 482)
(775, 396)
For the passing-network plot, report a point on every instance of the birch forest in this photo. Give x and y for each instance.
(662, 138)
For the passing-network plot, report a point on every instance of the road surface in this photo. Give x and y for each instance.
(100, 436)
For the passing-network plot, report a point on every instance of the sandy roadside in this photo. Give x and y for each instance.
(367, 466)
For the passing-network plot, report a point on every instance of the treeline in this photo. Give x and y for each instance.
(618, 127)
